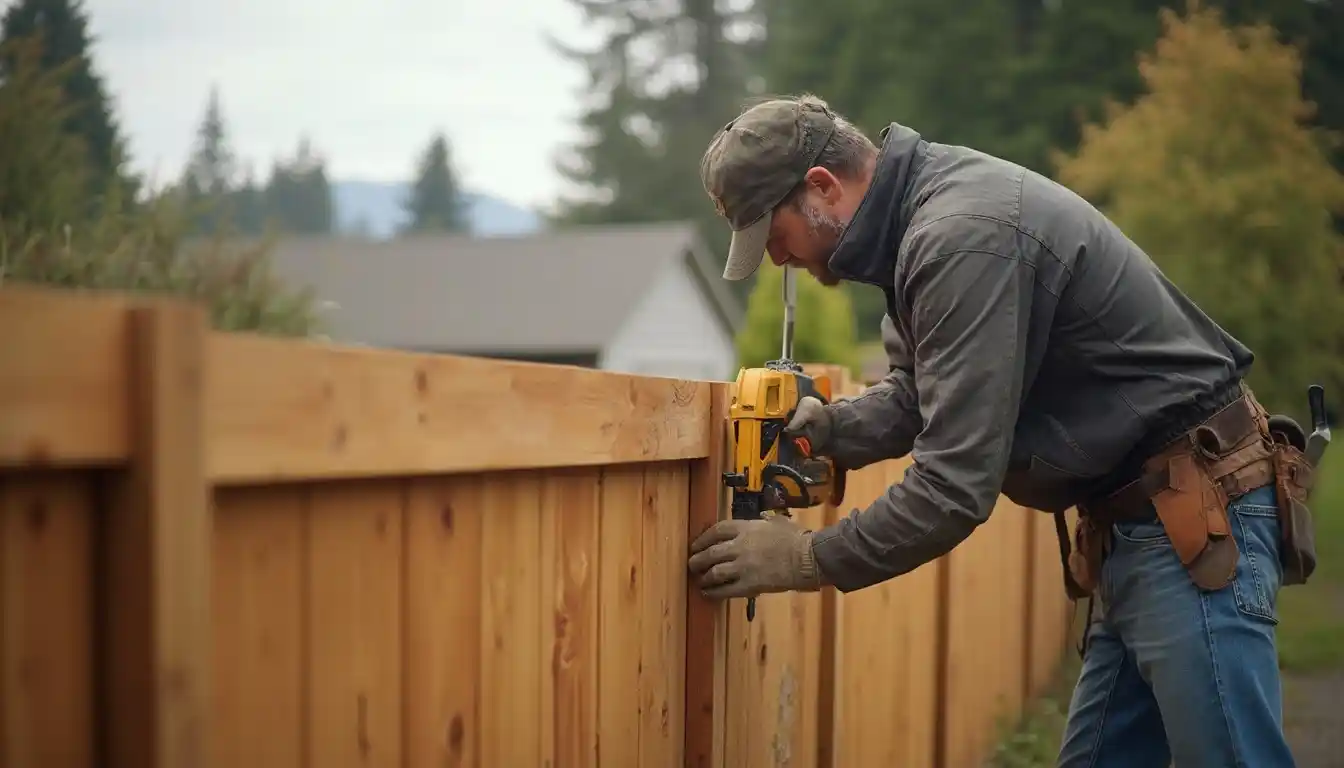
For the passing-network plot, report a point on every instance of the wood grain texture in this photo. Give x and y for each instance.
(157, 666)
(354, 612)
(443, 573)
(887, 655)
(282, 409)
(986, 597)
(47, 701)
(570, 542)
(285, 409)
(619, 624)
(429, 560)
(260, 631)
(706, 620)
(66, 408)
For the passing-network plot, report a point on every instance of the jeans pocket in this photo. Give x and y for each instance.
(1259, 573)
(1141, 534)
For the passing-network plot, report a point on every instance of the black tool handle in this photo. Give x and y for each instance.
(1316, 403)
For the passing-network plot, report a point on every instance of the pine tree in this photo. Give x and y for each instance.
(663, 80)
(61, 29)
(1216, 172)
(210, 172)
(436, 202)
(298, 194)
(43, 169)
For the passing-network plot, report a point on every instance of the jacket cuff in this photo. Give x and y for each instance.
(809, 575)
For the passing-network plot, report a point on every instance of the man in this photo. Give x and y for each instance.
(1037, 352)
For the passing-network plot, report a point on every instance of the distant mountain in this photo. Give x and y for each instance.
(375, 209)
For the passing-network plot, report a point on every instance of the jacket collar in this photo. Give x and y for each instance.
(867, 251)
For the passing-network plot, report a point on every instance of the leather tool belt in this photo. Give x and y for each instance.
(1187, 486)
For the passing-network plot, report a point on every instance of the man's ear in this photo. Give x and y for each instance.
(826, 184)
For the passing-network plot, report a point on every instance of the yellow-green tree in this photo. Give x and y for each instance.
(1214, 172)
(823, 322)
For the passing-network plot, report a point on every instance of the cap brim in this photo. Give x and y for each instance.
(747, 249)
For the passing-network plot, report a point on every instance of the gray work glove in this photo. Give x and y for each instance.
(811, 420)
(745, 558)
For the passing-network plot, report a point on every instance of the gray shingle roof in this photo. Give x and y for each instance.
(565, 291)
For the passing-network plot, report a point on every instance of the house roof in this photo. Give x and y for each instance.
(564, 291)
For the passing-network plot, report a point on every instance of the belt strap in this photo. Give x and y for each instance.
(1236, 426)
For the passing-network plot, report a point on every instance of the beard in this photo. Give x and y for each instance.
(826, 231)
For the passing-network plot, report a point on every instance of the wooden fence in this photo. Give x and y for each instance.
(225, 550)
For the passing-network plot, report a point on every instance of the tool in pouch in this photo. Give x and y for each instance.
(1191, 482)
(770, 472)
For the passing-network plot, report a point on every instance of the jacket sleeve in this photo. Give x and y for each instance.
(882, 421)
(971, 311)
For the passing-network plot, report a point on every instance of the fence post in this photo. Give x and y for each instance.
(706, 621)
(154, 592)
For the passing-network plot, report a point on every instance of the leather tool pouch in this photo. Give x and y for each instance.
(1293, 481)
(1216, 461)
(1193, 510)
(1190, 484)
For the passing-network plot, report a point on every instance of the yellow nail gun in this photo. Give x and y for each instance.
(771, 473)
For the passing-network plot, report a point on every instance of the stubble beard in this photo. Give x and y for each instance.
(829, 230)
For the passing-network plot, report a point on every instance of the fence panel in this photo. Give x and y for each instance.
(887, 702)
(221, 548)
(509, 618)
(47, 684)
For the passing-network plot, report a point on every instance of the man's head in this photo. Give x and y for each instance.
(788, 175)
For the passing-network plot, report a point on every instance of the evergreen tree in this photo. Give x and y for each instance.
(248, 204)
(208, 178)
(60, 27)
(43, 168)
(1216, 172)
(664, 79)
(298, 194)
(436, 202)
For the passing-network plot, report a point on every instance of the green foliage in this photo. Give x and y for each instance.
(149, 251)
(59, 30)
(43, 170)
(1015, 79)
(220, 193)
(297, 197)
(1215, 173)
(823, 323)
(436, 202)
(53, 232)
(661, 82)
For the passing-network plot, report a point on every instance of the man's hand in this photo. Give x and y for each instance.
(744, 558)
(811, 420)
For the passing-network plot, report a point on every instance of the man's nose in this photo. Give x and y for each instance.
(779, 260)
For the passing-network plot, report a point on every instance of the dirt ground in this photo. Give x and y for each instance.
(1314, 718)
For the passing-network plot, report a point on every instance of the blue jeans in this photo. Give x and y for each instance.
(1173, 672)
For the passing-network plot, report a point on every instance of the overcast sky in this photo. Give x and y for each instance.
(368, 80)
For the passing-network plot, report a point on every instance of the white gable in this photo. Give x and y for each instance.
(673, 331)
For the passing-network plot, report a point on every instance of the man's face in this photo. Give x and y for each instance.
(806, 232)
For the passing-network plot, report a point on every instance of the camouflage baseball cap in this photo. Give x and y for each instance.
(754, 162)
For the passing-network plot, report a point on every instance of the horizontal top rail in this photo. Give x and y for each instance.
(285, 409)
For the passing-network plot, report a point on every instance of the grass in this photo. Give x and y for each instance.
(1311, 616)
(1311, 632)
(1034, 742)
